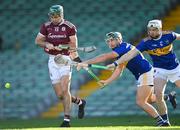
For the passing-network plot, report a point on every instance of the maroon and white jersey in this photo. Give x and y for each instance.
(58, 34)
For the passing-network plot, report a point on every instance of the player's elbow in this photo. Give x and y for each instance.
(107, 57)
(134, 52)
(36, 41)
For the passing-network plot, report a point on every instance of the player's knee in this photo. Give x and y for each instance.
(61, 97)
(140, 102)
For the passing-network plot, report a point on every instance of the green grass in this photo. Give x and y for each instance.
(99, 123)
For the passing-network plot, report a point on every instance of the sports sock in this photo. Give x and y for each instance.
(76, 100)
(165, 117)
(67, 118)
(159, 120)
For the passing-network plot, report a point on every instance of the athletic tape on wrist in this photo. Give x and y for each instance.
(115, 63)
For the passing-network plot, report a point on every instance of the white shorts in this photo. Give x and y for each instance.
(172, 75)
(146, 79)
(56, 72)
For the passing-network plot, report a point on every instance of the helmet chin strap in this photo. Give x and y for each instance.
(119, 41)
(61, 21)
(158, 37)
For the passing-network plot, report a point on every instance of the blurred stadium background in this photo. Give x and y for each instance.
(24, 65)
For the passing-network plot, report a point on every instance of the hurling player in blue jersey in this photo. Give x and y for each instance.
(139, 66)
(159, 46)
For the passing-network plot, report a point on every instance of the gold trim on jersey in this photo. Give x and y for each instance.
(161, 51)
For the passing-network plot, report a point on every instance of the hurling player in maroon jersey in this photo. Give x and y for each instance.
(56, 32)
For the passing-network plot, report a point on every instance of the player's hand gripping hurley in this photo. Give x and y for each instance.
(61, 60)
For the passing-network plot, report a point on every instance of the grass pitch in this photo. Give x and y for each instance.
(99, 123)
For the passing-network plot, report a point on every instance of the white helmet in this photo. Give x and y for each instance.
(155, 23)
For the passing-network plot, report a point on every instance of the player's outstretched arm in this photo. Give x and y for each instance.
(98, 59)
(117, 72)
(102, 58)
(177, 36)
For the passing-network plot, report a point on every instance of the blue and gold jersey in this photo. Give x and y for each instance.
(138, 65)
(160, 50)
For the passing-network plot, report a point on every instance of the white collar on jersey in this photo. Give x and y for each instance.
(158, 37)
(61, 22)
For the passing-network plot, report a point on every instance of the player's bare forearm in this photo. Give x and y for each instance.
(102, 58)
(97, 59)
(177, 36)
(73, 41)
(118, 71)
(73, 54)
(40, 41)
(41, 44)
(128, 56)
(74, 44)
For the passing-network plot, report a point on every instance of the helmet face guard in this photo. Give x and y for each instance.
(55, 10)
(112, 36)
